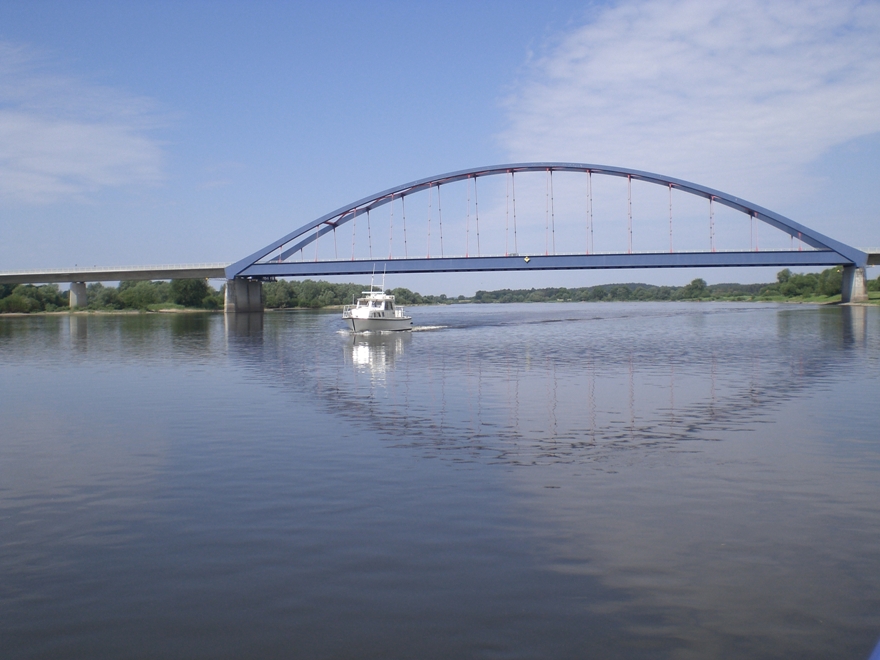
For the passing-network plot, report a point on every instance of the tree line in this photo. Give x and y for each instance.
(198, 294)
(309, 293)
(26, 298)
(806, 285)
(788, 285)
(696, 290)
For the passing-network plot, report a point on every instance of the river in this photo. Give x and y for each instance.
(558, 480)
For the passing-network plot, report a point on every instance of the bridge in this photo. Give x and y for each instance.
(566, 217)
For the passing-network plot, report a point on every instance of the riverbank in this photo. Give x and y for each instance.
(185, 296)
(874, 301)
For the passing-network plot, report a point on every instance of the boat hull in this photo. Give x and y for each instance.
(379, 324)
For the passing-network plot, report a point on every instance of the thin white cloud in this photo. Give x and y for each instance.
(221, 174)
(63, 138)
(730, 94)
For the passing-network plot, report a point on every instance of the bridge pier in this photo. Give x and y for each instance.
(78, 296)
(855, 287)
(243, 296)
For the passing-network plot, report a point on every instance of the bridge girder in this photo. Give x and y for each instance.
(546, 262)
(834, 252)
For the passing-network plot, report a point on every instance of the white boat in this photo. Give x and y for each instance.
(375, 312)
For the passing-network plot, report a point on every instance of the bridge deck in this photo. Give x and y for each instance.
(448, 264)
(115, 273)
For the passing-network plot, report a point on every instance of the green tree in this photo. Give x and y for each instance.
(280, 294)
(803, 285)
(831, 281)
(214, 299)
(404, 296)
(189, 293)
(103, 297)
(696, 289)
(24, 298)
(138, 295)
(308, 293)
(18, 304)
(326, 298)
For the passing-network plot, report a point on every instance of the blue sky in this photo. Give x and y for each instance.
(199, 131)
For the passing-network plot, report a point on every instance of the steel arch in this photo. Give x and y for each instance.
(250, 266)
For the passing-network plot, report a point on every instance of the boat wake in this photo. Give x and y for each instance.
(418, 328)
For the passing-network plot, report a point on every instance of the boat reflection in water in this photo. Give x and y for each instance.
(375, 353)
(639, 480)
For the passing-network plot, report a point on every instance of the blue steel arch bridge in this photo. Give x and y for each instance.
(561, 234)
(518, 217)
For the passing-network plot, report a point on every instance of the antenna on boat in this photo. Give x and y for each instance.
(384, 266)
(371, 277)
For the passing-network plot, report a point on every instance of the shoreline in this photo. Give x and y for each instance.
(134, 312)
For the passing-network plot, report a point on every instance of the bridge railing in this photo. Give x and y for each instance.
(99, 269)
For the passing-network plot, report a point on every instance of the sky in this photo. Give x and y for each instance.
(196, 132)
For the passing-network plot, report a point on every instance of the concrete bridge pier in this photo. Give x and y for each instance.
(78, 297)
(855, 285)
(243, 296)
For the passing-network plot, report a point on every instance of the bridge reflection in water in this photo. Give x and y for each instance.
(580, 383)
(572, 384)
(684, 479)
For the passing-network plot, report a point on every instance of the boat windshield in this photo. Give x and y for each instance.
(374, 302)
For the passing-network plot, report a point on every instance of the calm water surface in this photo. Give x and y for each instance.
(514, 481)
